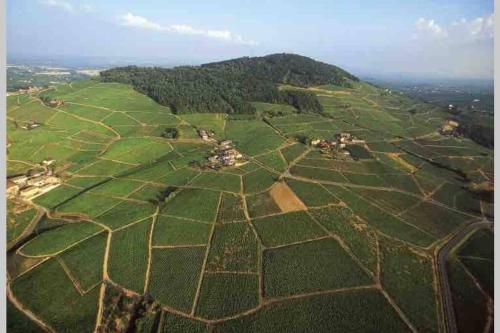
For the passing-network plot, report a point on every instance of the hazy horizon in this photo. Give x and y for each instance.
(448, 39)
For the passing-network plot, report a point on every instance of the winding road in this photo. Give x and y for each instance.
(450, 321)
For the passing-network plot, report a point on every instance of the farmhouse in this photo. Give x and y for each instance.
(31, 124)
(343, 137)
(29, 192)
(19, 180)
(48, 162)
(12, 189)
(450, 127)
(225, 144)
(33, 183)
(43, 180)
(55, 103)
(348, 138)
(323, 143)
(206, 135)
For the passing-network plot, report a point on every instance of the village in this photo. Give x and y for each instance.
(28, 90)
(34, 183)
(224, 155)
(336, 147)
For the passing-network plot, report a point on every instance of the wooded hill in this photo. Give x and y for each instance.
(229, 86)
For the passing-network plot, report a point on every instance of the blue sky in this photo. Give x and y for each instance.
(416, 37)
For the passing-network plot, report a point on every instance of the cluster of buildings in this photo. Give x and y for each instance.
(225, 155)
(450, 127)
(51, 102)
(55, 103)
(336, 146)
(206, 135)
(340, 141)
(453, 109)
(30, 124)
(29, 90)
(33, 183)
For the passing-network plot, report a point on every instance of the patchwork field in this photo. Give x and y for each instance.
(291, 240)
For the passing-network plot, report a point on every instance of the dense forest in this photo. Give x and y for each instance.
(230, 86)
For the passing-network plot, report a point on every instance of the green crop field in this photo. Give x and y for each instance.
(287, 228)
(174, 231)
(258, 181)
(469, 303)
(470, 270)
(308, 267)
(85, 260)
(69, 311)
(125, 213)
(356, 235)
(18, 222)
(58, 239)
(230, 209)
(407, 276)
(345, 312)
(130, 270)
(174, 276)
(218, 181)
(233, 248)
(196, 204)
(223, 295)
(311, 194)
(350, 245)
(215, 122)
(292, 152)
(261, 204)
(273, 160)
(252, 137)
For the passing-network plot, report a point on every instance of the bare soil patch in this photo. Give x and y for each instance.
(285, 198)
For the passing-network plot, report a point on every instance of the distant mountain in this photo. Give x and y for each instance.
(229, 86)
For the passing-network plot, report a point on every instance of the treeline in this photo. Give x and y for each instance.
(230, 86)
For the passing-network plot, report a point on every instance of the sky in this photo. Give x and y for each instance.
(440, 38)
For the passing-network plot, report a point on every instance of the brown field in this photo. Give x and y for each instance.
(286, 200)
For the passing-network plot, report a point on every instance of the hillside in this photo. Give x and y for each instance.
(137, 222)
(229, 86)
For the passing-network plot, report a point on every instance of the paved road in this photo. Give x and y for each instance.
(450, 321)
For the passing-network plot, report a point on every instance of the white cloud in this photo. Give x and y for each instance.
(58, 4)
(87, 8)
(67, 6)
(462, 30)
(431, 27)
(480, 27)
(141, 22)
(463, 48)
